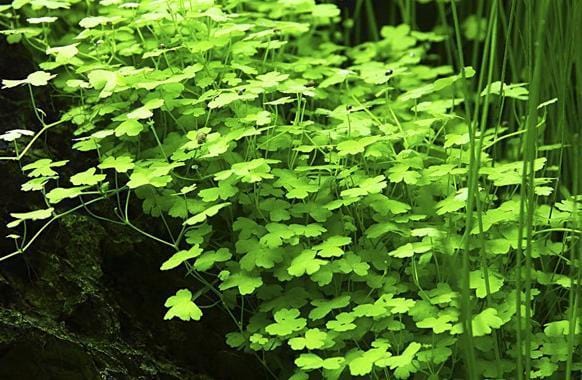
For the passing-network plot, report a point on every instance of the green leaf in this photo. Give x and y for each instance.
(271, 79)
(380, 229)
(442, 294)
(310, 362)
(138, 114)
(406, 250)
(235, 339)
(223, 100)
(342, 323)
(475, 28)
(312, 340)
(246, 282)
(483, 323)
(154, 173)
(402, 364)
(436, 355)
(15, 134)
(515, 91)
(364, 363)
(324, 307)
(366, 186)
(43, 167)
(129, 127)
(560, 328)
(182, 306)
(94, 21)
(120, 164)
(384, 205)
(353, 147)
(31, 215)
(477, 282)
(179, 257)
(63, 53)
(209, 212)
(35, 184)
(103, 80)
(305, 263)
(331, 247)
(325, 11)
(260, 118)
(37, 79)
(401, 173)
(208, 259)
(58, 194)
(453, 203)
(351, 262)
(88, 177)
(369, 310)
(287, 321)
(438, 324)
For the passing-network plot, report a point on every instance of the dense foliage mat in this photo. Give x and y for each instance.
(347, 206)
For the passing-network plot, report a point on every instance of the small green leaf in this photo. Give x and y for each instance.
(364, 363)
(63, 53)
(235, 339)
(179, 257)
(208, 259)
(31, 215)
(331, 247)
(92, 22)
(342, 323)
(246, 282)
(438, 324)
(57, 194)
(139, 114)
(406, 250)
(287, 321)
(370, 310)
(475, 28)
(403, 363)
(120, 164)
(202, 216)
(182, 306)
(325, 11)
(483, 323)
(37, 79)
(312, 361)
(560, 328)
(88, 177)
(324, 307)
(477, 282)
(453, 203)
(313, 339)
(103, 80)
(516, 91)
(43, 167)
(305, 263)
(129, 127)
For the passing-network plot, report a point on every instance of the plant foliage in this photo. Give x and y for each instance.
(323, 193)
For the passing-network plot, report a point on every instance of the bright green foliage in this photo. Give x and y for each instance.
(182, 306)
(38, 78)
(313, 339)
(286, 323)
(330, 198)
(181, 256)
(31, 215)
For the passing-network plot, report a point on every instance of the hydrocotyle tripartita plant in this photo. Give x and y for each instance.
(322, 195)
